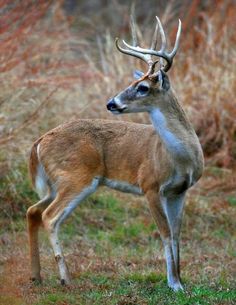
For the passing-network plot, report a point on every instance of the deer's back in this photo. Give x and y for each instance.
(98, 146)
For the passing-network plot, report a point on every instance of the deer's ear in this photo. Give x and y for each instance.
(163, 80)
(138, 74)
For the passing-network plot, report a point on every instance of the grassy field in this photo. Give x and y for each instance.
(59, 63)
(115, 254)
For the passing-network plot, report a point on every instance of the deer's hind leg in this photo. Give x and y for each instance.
(34, 220)
(67, 199)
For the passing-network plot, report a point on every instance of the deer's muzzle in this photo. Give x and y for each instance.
(115, 106)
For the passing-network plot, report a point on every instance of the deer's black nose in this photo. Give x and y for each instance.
(111, 105)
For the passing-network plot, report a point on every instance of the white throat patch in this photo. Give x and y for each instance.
(173, 144)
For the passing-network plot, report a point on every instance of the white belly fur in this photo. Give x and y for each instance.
(122, 186)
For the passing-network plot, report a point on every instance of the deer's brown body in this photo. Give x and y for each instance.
(160, 161)
(95, 147)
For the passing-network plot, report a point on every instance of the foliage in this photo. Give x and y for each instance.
(67, 74)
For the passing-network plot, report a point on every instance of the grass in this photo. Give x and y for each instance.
(115, 255)
(131, 290)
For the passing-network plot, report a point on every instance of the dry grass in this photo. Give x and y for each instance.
(57, 67)
(53, 70)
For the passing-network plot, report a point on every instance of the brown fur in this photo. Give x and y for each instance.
(77, 148)
(33, 161)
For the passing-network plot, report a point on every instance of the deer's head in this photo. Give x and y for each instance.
(149, 90)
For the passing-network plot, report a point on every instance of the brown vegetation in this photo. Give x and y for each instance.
(53, 68)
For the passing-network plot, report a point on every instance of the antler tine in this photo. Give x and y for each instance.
(163, 36)
(154, 38)
(163, 39)
(133, 31)
(173, 52)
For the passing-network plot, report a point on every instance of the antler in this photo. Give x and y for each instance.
(145, 54)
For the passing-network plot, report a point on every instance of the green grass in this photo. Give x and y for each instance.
(108, 225)
(136, 288)
(232, 200)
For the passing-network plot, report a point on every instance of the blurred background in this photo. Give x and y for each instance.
(58, 62)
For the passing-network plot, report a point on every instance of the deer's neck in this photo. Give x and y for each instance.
(174, 130)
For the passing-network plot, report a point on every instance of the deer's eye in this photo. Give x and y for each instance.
(143, 89)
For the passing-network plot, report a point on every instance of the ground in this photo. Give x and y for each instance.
(115, 255)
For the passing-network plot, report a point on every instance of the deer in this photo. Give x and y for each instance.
(160, 161)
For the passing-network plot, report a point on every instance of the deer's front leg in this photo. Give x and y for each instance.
(160, 216)
(174, 209)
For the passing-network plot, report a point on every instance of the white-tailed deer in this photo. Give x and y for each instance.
(160, 161)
